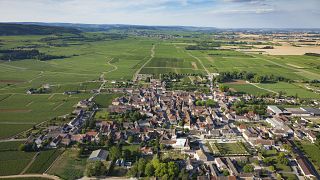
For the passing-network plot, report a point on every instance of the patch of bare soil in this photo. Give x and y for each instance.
(236, 82)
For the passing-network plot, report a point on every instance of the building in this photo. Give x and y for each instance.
(305, 169)
(275, 110)
(220, 164)
(200, 155)
(98, 155)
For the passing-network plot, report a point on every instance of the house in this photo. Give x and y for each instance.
(98, 155)
(220, 164)
(200, 155)
(311, 136)
(55, 142)
(312, 111)
(305, 169)
(298, 112)
(181, 143)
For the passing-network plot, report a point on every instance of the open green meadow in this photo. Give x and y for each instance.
(227, 148)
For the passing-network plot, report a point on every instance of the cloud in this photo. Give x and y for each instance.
(218, 13)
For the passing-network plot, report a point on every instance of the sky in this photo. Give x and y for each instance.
(204, 13)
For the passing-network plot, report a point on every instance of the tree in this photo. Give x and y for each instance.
(149, 170)
(22, 147)
(272, 168)
(126, 154)
(141, 166)
(115, 153)
(183, 175)
(225, 172)
(282, 158)
(95, 169)
(130, 139)
(223, 88)
(133, 170)
(248, 168)
(161, 170)
(155, 162)
(173, 169)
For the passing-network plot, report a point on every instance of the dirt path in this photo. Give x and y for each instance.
(151, 57)
(256, 85)
(114, 67)
(29, 164)
(47, 176)
(58, 106)
(13, 140)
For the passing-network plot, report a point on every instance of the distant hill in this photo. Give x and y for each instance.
(106, 27)
(8, 29)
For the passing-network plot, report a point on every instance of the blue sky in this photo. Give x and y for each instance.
(210, 13)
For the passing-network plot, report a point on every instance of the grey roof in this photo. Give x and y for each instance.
(312, 110)
(275, 109)
(98, 154)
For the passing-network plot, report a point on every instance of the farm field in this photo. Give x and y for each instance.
(13, 162)
(86, 61)
(69, 166)
(43, 161)
(290, 90)
(246, 88)
(291, 67)
(21, 111)
(172, 58)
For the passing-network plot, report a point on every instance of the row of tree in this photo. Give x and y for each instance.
(248, 76)
(157, 168)
(19, 54)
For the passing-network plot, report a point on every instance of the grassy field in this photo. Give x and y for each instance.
(104, 100)
(43, 161)
(227, 149)
(69, 166)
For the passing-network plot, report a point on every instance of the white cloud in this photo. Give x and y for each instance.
(218, 13)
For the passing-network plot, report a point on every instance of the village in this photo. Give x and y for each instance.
(201, 133)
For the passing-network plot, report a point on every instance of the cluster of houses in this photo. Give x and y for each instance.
(179, 124)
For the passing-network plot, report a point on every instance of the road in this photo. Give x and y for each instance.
(151, 57)
(47, 176)
(207, 71)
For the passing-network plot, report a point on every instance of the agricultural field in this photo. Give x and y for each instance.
(14, 162)
(246, 88)
(290, 89)
(43, 161)
(68, 166)
(170, 57)
(21, 111)
(87, 59)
